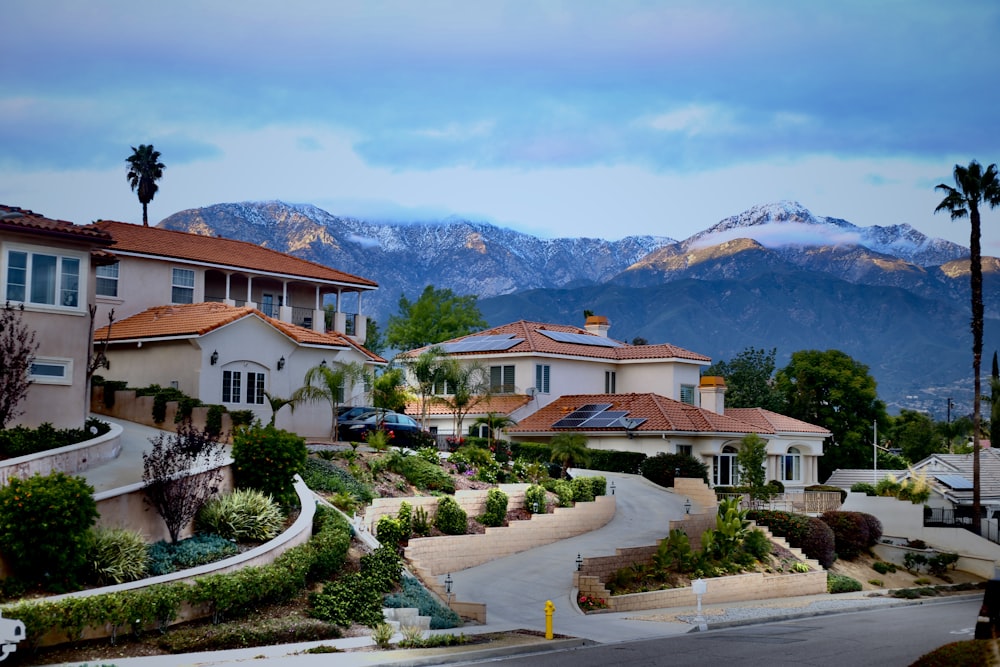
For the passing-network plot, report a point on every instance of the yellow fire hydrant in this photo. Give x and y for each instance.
(549, 608)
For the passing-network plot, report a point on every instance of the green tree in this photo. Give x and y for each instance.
(749, 379)
(438, 315)
(144, 170)
(325, 383)
(915, 434)
(17, 353)
(469, 385)
(374, 339)
(494, 421)
(832, 390)
(569, 450)
(276, 403)
(973, 187)
(389, 391)
(751, 458)
(427, 370)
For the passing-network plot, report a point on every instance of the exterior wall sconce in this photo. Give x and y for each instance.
(214, 359)
(281, 363)
(323, 363)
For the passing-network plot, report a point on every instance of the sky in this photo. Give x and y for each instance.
(559, 118)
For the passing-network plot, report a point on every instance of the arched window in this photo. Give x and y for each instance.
(725, 472)
(791, 466)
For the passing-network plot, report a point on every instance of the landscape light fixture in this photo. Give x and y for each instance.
(579, 562)
(281, 363)
(612, 488)
(447, 587)
(687, 505)
(535, 504)
(214, 359)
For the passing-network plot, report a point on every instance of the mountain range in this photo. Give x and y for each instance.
(774, 276)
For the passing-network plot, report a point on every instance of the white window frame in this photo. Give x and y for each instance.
(56, 362)
(543, 374)
(610, 382)
(110, 281)
(793, 458)
(441, 388)
(685, 449)
(60, 279)
(175, 285)
(689, 391)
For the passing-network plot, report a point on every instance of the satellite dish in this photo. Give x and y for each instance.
(629, 424)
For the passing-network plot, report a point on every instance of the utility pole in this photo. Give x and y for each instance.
(951, 403)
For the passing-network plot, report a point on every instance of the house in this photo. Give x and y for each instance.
(950, 478)
(157, 267)
(46, 265)
(231, 355)
(643, 398)
(651, 424)
(542, 362)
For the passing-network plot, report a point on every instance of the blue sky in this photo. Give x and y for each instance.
(575, 118)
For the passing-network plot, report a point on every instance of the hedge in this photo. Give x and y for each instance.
(813, 536)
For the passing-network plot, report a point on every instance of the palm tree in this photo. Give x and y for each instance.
(428, 371)
(144, 169)
(277, 402)
(494, 421)
(326, 383)
(569, 450)
(973, 186)
(469, 385)
(389, 391)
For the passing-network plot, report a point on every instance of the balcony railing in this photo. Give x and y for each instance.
(803, 502)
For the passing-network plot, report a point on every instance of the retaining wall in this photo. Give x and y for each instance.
(473, 501)
(139, 409)
(71, 459)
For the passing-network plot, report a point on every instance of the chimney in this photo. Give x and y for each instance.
(712, 392)
(597, 324)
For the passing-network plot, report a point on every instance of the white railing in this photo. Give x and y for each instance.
(803, 502)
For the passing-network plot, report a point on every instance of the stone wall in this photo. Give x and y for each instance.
(702, 496)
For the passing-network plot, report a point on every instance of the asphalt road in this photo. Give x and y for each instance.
(883, 638)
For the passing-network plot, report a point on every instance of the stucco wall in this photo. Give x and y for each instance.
(70, 459)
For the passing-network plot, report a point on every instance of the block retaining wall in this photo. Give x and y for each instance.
(473, 501)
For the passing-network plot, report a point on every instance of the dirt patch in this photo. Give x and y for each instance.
(861, 569)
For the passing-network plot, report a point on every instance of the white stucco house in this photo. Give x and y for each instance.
(46, 266)
(642, 398)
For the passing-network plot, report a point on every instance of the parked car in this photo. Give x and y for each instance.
(352, 417)
(988, 622)
(405, 430)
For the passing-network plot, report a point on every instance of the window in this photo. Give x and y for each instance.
(43, 279)
(441, 388)
(724, 469)
(502, 379)
(685, 449)
(231, 386)
(542, 378)
(107, 280)
(687, 394)
(791, 466)
(255, 388)
(51, 371)
(182, 287)
(609, 382)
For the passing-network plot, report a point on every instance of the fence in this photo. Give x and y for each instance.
(962, 518)
(803, 502)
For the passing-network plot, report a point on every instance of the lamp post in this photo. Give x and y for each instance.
(448, 583)
(612, 487)
(687, 505)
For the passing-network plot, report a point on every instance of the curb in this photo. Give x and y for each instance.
(480, 655)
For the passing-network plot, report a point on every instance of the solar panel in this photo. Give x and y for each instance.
(579, 338)
(606, 419)
(596, 415)
(488, 343)
(956, 482)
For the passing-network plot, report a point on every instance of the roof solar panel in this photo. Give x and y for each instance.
(596, 415)
(579, 338)
(487, 343)
(956, 482)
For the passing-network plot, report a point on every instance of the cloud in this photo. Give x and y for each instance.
(777, 235)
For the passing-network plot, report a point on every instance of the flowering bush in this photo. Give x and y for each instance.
(454, 443)
(590, 603)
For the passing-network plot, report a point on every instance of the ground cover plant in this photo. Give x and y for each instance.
(21, 440)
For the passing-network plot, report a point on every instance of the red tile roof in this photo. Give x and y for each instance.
(197, 319)
(226, 252)
(15, 219)
(536, 342)
(772, 420)
(661, 414)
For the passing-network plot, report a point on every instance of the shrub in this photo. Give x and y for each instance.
(267, 459)
(389, 531)
(756, 544)
(883, 567)
(852, 535)
(263, 632)
(612, 461)
(323, 476)
(405, 518)
(244, 514)
(421, 524)
(531, 451)
(583, 490)
(776, 486)
(810, 534)
(839, 583)
(661, 468)
(598, 486)
(213, 419)
(563, 490)
(973, 653)
(21, 440)
(117, 555)
(110, 387)
(496, 508)
(347, 601)
(413, 594)
(166, 557)
(241, 417)
(863, 487)
(330, 543)
(45, 528)
(534, 497)
(450, 518)
(382, 569)
(937, 565)
(420, 473)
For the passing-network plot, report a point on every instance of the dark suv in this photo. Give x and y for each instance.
(988, 623)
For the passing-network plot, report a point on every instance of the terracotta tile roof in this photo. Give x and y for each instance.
(13, 218)
(215, 250)
(533, 341)
(774, 421)
(661, 414)
(503, 405)
(197, 319)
